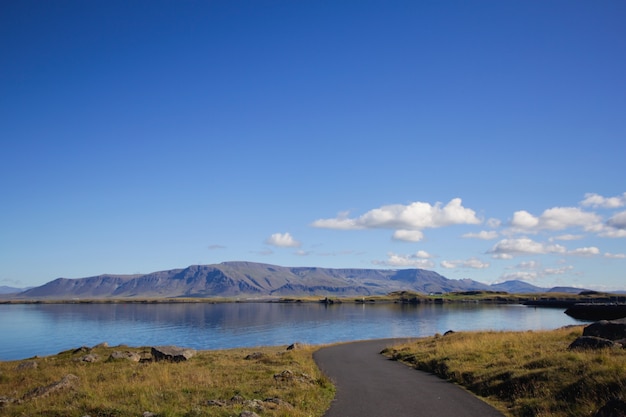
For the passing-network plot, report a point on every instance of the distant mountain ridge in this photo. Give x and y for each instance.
(250, 279)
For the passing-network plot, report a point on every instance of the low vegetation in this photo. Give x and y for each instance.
(523, 373)
(270, 381)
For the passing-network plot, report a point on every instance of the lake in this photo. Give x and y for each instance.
(46, 329)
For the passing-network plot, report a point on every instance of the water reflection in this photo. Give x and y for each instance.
(44, 329)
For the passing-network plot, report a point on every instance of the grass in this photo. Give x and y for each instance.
(523, 373)
(274, 382)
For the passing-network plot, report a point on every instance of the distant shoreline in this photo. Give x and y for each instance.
(550, 300)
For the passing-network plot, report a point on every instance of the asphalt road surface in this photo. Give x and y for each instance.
(370, 385)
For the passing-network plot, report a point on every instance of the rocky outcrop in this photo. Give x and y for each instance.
(171, 353)
(611, 330)
(68, 381)
(592, 342)
(125, 355)
(602, 334)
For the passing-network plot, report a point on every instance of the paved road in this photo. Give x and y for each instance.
(370, 385)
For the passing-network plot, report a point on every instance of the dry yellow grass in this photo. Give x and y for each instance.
(524, 373)
(212, 383)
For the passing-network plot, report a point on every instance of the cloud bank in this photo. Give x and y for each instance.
(407, 221)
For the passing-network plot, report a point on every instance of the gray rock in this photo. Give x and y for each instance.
(248, 414)
(612, 330)
(592, 342)
(125, 355)
(26, 365)
(294, 346)
(101, 345)
(4, 401)
(68, 381)
(255, 356)
(172, 353)
(91, 357)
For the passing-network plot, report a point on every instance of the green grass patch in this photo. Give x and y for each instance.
(523, 373)
(272, 382)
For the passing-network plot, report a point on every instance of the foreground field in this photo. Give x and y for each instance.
(524, 373)
(269, 381)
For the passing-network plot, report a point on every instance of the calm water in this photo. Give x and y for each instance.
(30, 329)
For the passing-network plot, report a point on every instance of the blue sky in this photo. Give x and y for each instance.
(482, 140)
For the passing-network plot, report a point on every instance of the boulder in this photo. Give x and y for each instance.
(612, 330)
(172, 353)
(592, 342)
(255, 356)
(91, 357)
(125, 355)
(68, 381)
(27, 365)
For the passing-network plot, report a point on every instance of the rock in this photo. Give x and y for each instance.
(275, 402)
(255, 356)
(289, 376)
(612, 330)
(68, 381)
(172, 353)
(26, 365)
(248, 414)
(591, 342)
(217, 403)
(4, 401)
(92, 357)
(237, 399)
(613, 408)
(82, 349)
(294, 346)
(254, 404)
(449, 332)
(148, 414)
(125, 355)
(101, 345)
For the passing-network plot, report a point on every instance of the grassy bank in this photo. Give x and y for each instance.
(271, 381)
(523, 373)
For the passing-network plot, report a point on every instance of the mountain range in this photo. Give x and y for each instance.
(250, 280)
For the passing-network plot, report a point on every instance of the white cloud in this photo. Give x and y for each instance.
(519, 275)
(494, 223)
(615, 255)
(527, 265)
(524, 220)
(405, 219)
(419, 259)
(408, 235)
(507, 248)
(589, 251)
(557, 271)
(557, 218)
(422, 254)
(483, 235)
(282, 240)
(568, 237)
(612, 232)
(618, 221)
(469, 263)
(596, 200)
